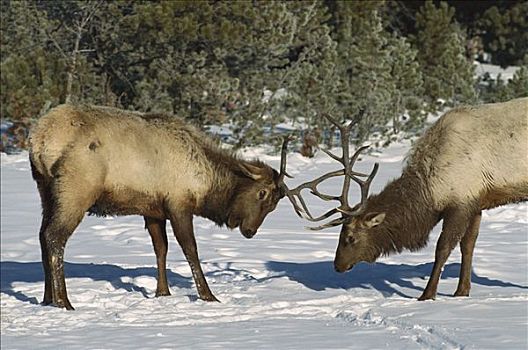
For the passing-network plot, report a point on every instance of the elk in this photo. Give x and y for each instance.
(473, 158)
(107, 161)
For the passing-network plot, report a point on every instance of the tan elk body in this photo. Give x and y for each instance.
(112, 162)
(473, 158)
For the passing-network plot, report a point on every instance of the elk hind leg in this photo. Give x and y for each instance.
(61, 226)
(44, 189)
(158, 234)
(467, 245)
(46, 217)
(71, 197)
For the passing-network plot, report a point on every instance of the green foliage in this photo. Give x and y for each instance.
(447, 73)
(505, 33)
(252, 64)
(408, 92)
(375, 72)
(496, 90)
(30, 76)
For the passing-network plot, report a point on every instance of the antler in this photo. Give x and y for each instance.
(284, 150)
(295, 197)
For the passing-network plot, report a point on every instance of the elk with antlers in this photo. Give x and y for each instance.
(471, 159)
(107, 161)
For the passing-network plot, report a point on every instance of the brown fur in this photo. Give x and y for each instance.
(107, 161)
(471, 159)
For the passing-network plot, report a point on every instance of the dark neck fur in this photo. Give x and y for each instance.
(216, 205)
(409, 215)
(228, 181)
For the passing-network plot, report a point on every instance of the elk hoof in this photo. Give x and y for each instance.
(62, 304)
(209, 298)
(461, 293)
(162, 293)
(426, 297)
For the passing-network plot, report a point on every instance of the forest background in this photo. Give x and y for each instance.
(255, 65)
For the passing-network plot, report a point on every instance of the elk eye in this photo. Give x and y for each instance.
(350, 240)
(262, 194)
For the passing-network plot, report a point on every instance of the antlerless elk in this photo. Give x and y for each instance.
(473, 158)
(107, 161)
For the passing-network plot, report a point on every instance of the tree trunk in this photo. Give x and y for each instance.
(73, 66)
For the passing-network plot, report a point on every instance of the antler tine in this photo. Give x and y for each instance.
(364, 186)
(295, 196)
(331, 155)
(284, 151)
(348, 162)
(335, 222)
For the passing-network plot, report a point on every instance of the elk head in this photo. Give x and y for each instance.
(257, 195)
(355, 238)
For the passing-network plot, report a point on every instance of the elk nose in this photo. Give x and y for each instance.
(339, 268)
(248, 233)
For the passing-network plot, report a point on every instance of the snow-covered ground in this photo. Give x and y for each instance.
(278, 290)
(494, 71)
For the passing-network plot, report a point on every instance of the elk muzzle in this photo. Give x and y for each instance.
(342, 267)
(247, 232)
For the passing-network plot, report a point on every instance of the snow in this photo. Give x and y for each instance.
(481, 69)
(277, 291)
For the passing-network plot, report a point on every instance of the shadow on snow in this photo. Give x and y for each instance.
(32, 272)
(388, 279)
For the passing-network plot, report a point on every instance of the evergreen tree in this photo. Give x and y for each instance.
(504, 32)
(30, 78)
(251, 64)
(219, 67)
(363, 67)
(310, 82)
(448, 75)
(499, 91)
(518, 85)
(407, 95)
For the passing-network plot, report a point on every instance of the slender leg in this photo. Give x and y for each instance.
(46, 217)
(158, 233)
(183, 230)
(45, 199)
(56, 234)
(467, 245)
(456, 221)
(71, 196)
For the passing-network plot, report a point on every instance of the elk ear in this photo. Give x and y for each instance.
(251, 171)
(374, 219)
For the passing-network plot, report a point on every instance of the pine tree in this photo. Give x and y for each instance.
(31, 74)
(363, 67)
(406, 97)
(504, 33)
(214, 68)
(448, 75)
(518, 85)
(499, 91)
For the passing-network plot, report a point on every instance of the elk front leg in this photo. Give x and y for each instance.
(158, 234)
(467, 245)
(456, 221)
(183, 230)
